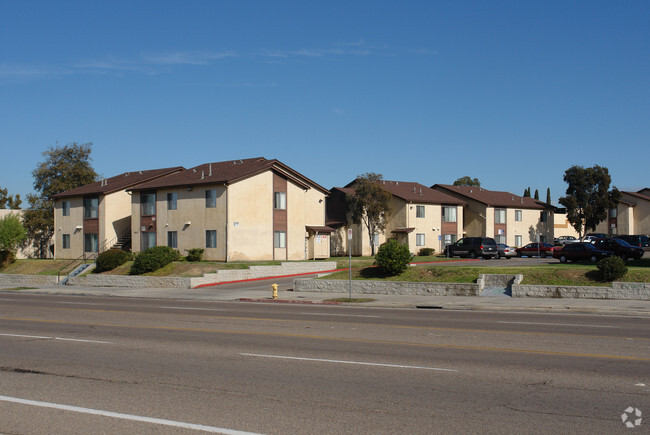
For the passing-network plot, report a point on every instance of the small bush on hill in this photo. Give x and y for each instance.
(194, 254)
(611, 268)
(393, 257)
(109, 260)
(6, 258)
(153, 259)
(425, 252)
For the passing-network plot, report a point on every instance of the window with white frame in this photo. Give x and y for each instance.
(91, 242)
(172, 239)
(172, 199)
(499, 215)
(279, 239)
(500, 239)
(420, 239)
(211, 238)
(612, 212)
(375, 240)
(419, 211)
(210, 198)
(280, 200)
(148, 239)
(65, 207)
(518, 216)
(65, 243)
(449, 214)
(518, 241)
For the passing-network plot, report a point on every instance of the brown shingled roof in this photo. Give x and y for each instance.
(418, 193)
(118, 182)
(493, 198)
(228, 172)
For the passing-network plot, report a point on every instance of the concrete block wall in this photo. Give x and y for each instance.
(254, 272)
(130, 281)
(28, 279)
(383, 287)
(629, 291)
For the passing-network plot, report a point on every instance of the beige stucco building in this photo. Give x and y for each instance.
(93, 218)
(508, 218)
(631, 215)
(420, 217)
(243, 210)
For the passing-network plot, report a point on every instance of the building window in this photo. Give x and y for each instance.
(612, 212)
(518, 241)
(543, 216)
(66, 241)
(91, 206)
(172, 239)
(518, 215)
(543, 239)
(420, 240)
(148, 240)
(66, 208)
(210, 198)
(280, 200)
(148, 203)
(449, 238)
(211, 238)
(171, 200)
(449, 214)
(499, 215)
(500, 239)
(375, 240)
(419, 211)
(279, 239)
(91, 243)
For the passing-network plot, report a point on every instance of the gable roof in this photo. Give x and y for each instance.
(228, 172)
(493, 198)
(118, 182)
(412, 192)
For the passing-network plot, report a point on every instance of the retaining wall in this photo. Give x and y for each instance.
(254, 272)
(130, 281)
(28, 279)
(618, 290)
(386, 288)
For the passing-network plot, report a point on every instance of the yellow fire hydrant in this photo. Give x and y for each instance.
(275, 290)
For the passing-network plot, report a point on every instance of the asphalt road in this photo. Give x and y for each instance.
(127, 365)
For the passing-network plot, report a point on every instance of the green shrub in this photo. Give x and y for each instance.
(6, 258)
(425, 252)
(194, 254)
(393, 258)
(109, 260)
(611, 268)
(153, 259)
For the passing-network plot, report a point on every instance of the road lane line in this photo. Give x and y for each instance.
(558, 324)
(399, 366)
(339, 315)
(192, 308)
(55, 338)
(122, 416)
(78, 303)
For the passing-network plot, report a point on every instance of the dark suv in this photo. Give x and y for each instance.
(473, 247)
(640, 241)
(619, 247)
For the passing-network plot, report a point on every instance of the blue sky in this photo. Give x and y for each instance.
(510, 92)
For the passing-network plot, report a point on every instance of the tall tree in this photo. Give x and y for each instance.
(527, 192)
(467, 181)
(548, 195)
(9, 201)
(588, 197)
(370, 205)
(537, 194)
(64, 168)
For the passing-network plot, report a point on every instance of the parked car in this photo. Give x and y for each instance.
(542, 249)
(591, 239)
(563, 240)
(473, 247)
(640, 241)
(580, 252)
(506, 251)
(597, 235)
(619, 247)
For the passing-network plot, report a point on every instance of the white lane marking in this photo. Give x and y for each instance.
(341, 315)
(55, 338)
(26, 336)
(191, 308)
(639, 385)
(78, 303)
(349, 362)
(560, 324)
(124, 416)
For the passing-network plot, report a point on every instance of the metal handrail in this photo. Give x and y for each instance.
(85, 258)
(109, 243)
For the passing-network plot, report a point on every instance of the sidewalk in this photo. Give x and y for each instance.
(215, 294)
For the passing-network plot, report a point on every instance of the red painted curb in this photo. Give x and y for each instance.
(286, 301)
